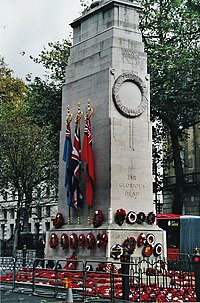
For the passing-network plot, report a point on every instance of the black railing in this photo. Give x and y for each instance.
(142, 281)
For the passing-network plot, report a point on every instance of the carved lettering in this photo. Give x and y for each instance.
(132, 194)
(129, 55)
(131, 185)
(131, 177)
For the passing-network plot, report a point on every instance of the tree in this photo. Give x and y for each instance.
(12, 90)
(43, 99)
(26, 154)
(55, 59)
(25, 157)
(171, 33)
(45, 96)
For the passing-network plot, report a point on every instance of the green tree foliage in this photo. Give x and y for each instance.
(5, 71)
(12, 90)
(171, 35)
(44, 101)
(45, 96)
(55, 59)
(26, 157)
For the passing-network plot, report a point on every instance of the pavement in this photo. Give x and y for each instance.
(22, 296)
(25, 295)
(9, 296)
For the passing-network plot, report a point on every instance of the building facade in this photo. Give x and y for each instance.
(40, 221)
(190, 155)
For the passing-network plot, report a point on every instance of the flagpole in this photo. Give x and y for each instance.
(88, 115)
(77, 121)
(68, 121)
(90, 111)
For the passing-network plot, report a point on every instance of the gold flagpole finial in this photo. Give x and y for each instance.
(79, 113)
(69, 116)
(90, 111)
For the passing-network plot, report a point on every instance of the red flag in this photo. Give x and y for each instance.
(87, 156)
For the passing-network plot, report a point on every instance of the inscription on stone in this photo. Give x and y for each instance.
(129, 55)
(130, 188)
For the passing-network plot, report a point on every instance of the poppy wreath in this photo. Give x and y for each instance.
(116, 251)
(141, 217)
(150, 219)
(129, 245)
(158, 249)
(53, 240)
(58, 220)
(120, 216)
(151, 239)
(81, 240)
(73, 241)
(141, 240)
(71, 262)
(98, 218)
(147, 250)
(90, 241)
(64, 241)
(102, 240)
(131, 217)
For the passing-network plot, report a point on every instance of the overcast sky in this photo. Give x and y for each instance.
(26, 26)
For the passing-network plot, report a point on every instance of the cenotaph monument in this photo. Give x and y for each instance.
(108, 65)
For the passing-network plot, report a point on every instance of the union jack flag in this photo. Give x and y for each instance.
(76, 168)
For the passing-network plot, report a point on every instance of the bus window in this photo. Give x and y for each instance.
(173, 239)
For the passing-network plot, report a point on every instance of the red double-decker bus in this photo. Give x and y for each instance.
(182, 232)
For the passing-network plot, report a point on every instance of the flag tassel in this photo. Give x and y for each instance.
(69, 216)
(78, 217)
(89, 216)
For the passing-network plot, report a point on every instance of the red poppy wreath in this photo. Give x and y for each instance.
(64, 241)
(53, 240)
(73, 241)
(81, 240)
(102, 240)
(120, 216)
(90, 241)
(98, 218)
(58, 221)
(129, 245)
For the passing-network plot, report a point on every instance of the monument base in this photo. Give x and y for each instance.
(99, 244)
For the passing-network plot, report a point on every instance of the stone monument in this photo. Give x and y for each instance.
(108, 65)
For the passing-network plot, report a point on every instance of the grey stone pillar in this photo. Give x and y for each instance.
(108, 65)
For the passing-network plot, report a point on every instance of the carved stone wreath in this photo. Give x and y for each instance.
(122, 108)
